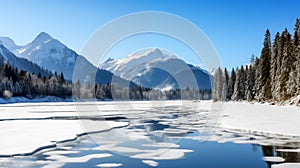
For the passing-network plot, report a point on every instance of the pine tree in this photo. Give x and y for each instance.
(219, 89)
(252, 59)
(239, 86)
(297, 55)
(62, 78)
(226, 77)
(231, 83)
(287, 63)
(256, 84)
(39, 75)
(264, 68)
(275, 65)
(297, 51)
(250, 75)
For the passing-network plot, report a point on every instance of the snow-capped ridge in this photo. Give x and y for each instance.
(8, 43)
(43, 37)
(50, 54)
(21, 63)
(155, 68)
(154, 52)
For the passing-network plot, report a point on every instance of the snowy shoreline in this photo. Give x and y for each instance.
(262, 119)
(35, 100)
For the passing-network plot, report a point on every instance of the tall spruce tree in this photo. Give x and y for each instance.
(287, 63)
(256, 84)
(219, 89)
(275, 65)
(250, 81)
(296, 75)
(226, 76)
(239, 86)
(293, 81)
(297, 50)
(231, 83)
(264, 69)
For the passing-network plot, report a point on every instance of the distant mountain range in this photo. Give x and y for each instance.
(152, 68)
(155, 69)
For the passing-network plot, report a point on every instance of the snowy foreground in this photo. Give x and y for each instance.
(262, 118)
(29, 127)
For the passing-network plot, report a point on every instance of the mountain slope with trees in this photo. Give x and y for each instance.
(21, 63)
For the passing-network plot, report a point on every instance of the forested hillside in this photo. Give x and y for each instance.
(15, 82)
(273, 77)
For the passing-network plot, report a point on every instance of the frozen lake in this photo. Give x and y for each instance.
(138, 134)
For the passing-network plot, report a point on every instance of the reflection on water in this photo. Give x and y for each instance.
(288, 154)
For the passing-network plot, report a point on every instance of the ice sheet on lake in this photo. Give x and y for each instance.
(81, 159)
(109, 165)
(286, 165)
(162, 154)
(60, 152)
(25, 136)
(273, 159)
(150, 163)
(289, 150)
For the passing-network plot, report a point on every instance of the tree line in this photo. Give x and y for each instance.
(14, 83)
(274, 76)
(115, 92)
(20, 83)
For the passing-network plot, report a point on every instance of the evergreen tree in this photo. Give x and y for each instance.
(231, 83)
(252, 59)
(256, 84)
(287, 63)
(275, 65)
(219, 88)
(264, 68)
(62, 78)
(226, 77)
(297, 54)
(239, 86)
(292, 85)
(250, 81)
(39, 75)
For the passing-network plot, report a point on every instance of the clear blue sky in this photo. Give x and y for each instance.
(235, 27)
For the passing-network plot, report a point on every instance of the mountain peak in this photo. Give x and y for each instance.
(155, 52)
(7, 42)
(42, 37)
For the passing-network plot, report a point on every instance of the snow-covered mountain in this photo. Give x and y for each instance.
(156, 69)
(53, 55)
(48, 53)
(8, 43)
(21, 63)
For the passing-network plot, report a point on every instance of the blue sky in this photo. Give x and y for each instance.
(235, 27)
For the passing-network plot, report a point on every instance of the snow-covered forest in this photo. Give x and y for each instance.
(14, 82)
(273, 77)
